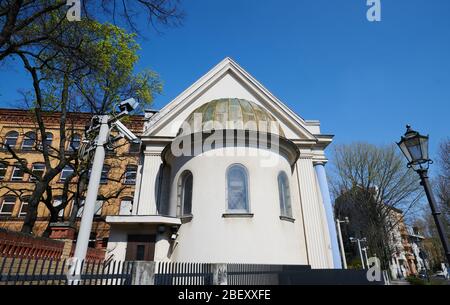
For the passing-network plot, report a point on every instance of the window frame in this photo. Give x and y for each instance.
(104, 179)
(71, 148)
(62, 171)
(26, 137)
(8, 214)
(181, 187)
(284, 196)
(23, 202)
(244, 169)
(32, 178)
(13, 178)
(8, 136)
(99, 207)
(48, 141)
(135, 174)
(5, 168)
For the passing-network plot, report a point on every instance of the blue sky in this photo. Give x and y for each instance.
(364, 81)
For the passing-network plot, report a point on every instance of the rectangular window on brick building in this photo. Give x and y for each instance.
(7, 206)
(17, 174)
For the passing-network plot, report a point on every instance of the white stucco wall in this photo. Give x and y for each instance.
(263, 238)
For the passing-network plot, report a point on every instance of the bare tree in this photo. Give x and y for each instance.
(18, 18)
(369, 183)
(443, 180)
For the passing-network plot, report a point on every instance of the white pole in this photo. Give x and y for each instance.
(341, 243)
(91, 196)
(360, 253)
(367, 258)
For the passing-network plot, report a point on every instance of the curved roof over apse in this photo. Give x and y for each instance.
(230, 113)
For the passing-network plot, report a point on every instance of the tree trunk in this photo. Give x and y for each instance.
(33, 205)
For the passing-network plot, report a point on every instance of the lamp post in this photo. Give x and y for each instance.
(415, 148)
(341, 243)
(359, 240)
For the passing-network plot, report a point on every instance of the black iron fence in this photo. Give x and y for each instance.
(175, 273)
(26, 271)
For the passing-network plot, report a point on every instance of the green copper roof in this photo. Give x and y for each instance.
(231, 113)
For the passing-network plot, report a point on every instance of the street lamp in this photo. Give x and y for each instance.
(341, 243)
(359, 240)
(415, 148)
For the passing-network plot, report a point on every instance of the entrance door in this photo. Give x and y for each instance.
(140, 248)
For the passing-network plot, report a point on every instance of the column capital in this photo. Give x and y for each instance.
(152, 153)
(319, 162)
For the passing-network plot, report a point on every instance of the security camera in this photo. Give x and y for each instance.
(128, 105)
(124, 131)
(174, 236)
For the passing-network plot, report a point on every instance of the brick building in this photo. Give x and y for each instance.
(19, 130)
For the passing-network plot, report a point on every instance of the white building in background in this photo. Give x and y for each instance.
(237, 200)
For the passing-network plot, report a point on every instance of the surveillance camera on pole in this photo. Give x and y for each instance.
(98, 133)
(125, 132)
(128, 105)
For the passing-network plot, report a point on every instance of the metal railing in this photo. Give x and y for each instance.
(174, 273)
(29, 271)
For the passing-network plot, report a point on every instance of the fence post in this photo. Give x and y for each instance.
(219, 273)
(64, 232)
(143, 273)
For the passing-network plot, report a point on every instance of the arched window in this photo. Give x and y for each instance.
(74, 142)
(11, 139)
(185, 183)
(237, 189)
(29, 141)
(285, 196)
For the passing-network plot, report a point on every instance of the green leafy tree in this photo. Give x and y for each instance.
(85, 66)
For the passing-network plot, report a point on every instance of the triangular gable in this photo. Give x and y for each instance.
(227, 79)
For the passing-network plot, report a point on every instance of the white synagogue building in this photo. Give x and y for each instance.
(229, 174)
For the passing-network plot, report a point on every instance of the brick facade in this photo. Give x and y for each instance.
(15, 191)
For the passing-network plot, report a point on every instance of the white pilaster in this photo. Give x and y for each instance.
(318, 251)
(148, 192)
